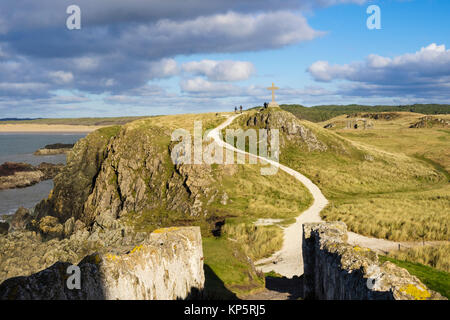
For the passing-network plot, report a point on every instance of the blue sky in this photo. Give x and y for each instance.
(164, 57)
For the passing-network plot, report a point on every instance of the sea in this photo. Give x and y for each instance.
(19, 147)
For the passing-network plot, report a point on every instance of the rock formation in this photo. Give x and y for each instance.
(430, 121)
(289, 125)
(167, 265)
(335, 270)
(20, 175)
(52, 149)
(117, 172)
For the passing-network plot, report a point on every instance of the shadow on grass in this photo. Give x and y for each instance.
(214, 287)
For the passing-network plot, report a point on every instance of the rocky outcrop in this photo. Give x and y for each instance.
(52, 149)
(335, 270)
(291, 127)
(20, 175)
(376, 116)
(116, 172)
(429, 122)
(50, 170)
(168, 264)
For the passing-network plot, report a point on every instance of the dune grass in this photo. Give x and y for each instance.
(437, 257)
(377, 192)
(257, 242)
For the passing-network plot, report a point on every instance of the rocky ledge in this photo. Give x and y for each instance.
(167, 264)
(51, 149)
(20, 175)
(336, 270)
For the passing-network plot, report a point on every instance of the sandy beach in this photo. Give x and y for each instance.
(28, 127)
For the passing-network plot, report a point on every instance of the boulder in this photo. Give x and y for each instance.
(20, 219)
(4, 227)
(50, 227)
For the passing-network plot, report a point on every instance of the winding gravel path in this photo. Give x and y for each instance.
(288, 261)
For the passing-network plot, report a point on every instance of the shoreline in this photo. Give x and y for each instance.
(46, 128)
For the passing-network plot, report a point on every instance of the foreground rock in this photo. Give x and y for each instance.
(167, 265)
(335, 270)
(52, 149)
(21, 175)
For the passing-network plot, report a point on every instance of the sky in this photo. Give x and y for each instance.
(153, 57)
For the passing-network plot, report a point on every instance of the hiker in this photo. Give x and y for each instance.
(235, 109)
(240, 108)
(265, 105)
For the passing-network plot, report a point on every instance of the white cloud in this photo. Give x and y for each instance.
(200, 85)
(61, 76)
(86, 63)
(432, 60)
(221, 70)
(425, 73)
(163, 68)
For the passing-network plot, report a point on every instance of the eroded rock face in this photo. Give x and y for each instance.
(168, 264)
(335, 270)
(127, 172)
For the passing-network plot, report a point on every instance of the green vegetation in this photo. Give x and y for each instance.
(229, 271)
(257, 242)
(436, 256)
(325, 112)
(436, 280)
(377, 193)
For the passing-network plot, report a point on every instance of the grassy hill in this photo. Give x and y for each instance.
(325, 112)
(379, 193)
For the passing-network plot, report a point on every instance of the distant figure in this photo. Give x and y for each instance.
(235, 109)
(265, 105)
(240, 108)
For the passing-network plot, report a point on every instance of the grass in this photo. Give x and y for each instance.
(230, 271)
(437, 257)
(250, 196)
(257, 242)
(326, 112)
(377, 192)
(434, 279)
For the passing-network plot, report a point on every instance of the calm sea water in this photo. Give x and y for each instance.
(19, 147)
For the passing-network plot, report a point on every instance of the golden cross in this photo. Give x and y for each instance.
(273, 88)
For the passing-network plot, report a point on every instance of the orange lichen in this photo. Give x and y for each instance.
(164, 230)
